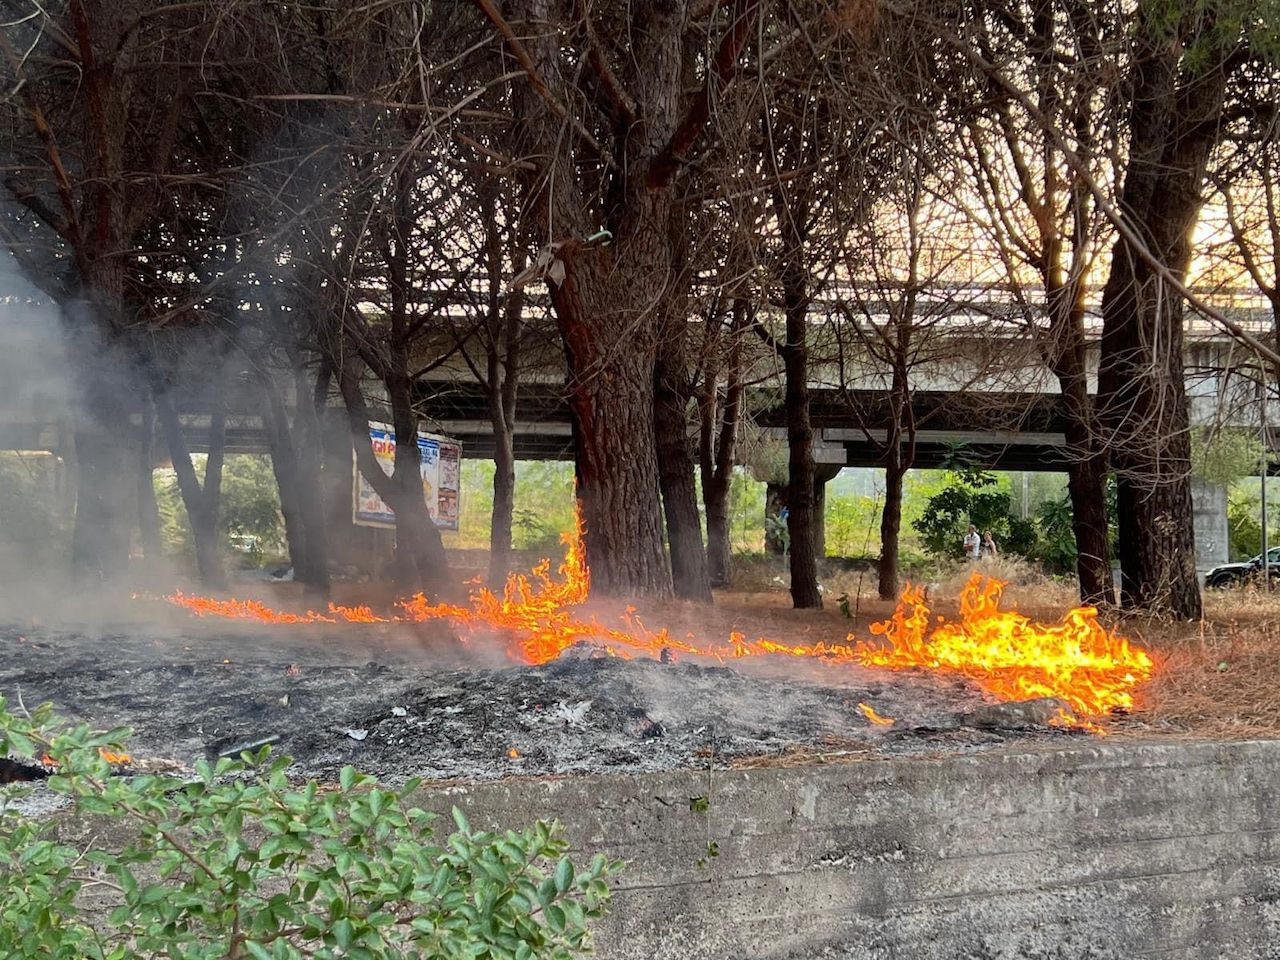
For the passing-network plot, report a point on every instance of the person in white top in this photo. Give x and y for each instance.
(972, 544)
(989, 545)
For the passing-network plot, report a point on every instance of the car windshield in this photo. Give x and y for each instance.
(1273, 558)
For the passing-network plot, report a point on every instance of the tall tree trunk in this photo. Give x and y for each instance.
(612, 396)
(897, 460)
(502, 379)
(203, 531)
(891, 526)
(106, 489)
(421, 563)
(295, 461)
(800, 469)
(675, 474)
(1087, 467)
(1175, 120)
(504, 491)
(309, 430)
(419, 546)
(823, 474)
(717, 448)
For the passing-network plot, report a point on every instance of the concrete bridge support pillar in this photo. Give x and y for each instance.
(775, 499)
(1209, 506)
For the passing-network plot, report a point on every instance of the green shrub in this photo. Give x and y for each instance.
(972, 496)
(242, 863)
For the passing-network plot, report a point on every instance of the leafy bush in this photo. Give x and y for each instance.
(1056, 546)
(249, 515)
(241, 863)
(971, 496)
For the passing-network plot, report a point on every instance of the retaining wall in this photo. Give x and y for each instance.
(1100, 850)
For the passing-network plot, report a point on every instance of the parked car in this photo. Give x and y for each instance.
(1238, 574)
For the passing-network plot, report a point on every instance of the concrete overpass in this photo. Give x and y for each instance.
(985, 387)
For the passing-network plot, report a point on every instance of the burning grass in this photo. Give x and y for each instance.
(1077, 660)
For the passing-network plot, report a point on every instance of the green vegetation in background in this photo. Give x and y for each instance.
(1225, 455)
(243, 862)
(544, 508)
(1244, 517)
(249, 520)
(33, 533)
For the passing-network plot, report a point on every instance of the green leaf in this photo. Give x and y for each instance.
(461, 820)
(564, 875)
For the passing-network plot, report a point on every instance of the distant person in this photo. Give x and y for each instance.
(989, 545)
(972, 544)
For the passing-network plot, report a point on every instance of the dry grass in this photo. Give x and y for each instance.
(1218, 678)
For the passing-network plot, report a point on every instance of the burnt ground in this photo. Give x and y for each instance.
(398, 703)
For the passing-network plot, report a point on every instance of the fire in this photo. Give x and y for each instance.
(874, 717)
(1078, 660)
(112, 758)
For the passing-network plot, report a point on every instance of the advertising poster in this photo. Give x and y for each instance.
(441, 479)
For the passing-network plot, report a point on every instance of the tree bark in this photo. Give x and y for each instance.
(502, 380)
(689, 576)
(891, 528)
(612, 395)
(608, 297)
(504, 489)
(106, 489)
(1174, 124)
(296, 460)
(1087, 468)
(822, 475)
(897, 460)
(717, 448)
(421, 562)
(800, 468)
(201, 517)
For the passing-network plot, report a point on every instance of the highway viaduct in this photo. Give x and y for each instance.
(987, 393)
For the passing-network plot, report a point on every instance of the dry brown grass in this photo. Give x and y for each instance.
(1218, 678)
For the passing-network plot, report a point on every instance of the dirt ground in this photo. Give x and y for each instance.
(403, 700)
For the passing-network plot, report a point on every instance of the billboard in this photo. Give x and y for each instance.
(441, 479)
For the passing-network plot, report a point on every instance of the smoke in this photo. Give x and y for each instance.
(36, 405)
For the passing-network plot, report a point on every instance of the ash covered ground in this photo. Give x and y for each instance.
(398, 702)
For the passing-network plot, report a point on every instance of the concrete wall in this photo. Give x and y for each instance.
(1098, 850)
(1209, 515)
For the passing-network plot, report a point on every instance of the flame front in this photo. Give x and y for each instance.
(1005, 653)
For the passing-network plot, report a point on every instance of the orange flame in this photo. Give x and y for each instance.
(107, 755)
(874, 717)
(1077, 660)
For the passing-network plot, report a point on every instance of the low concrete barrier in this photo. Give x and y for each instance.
(1103, 849)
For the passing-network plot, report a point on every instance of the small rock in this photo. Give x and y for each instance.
(356, 734)
(1014, 716)
(399, 712)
